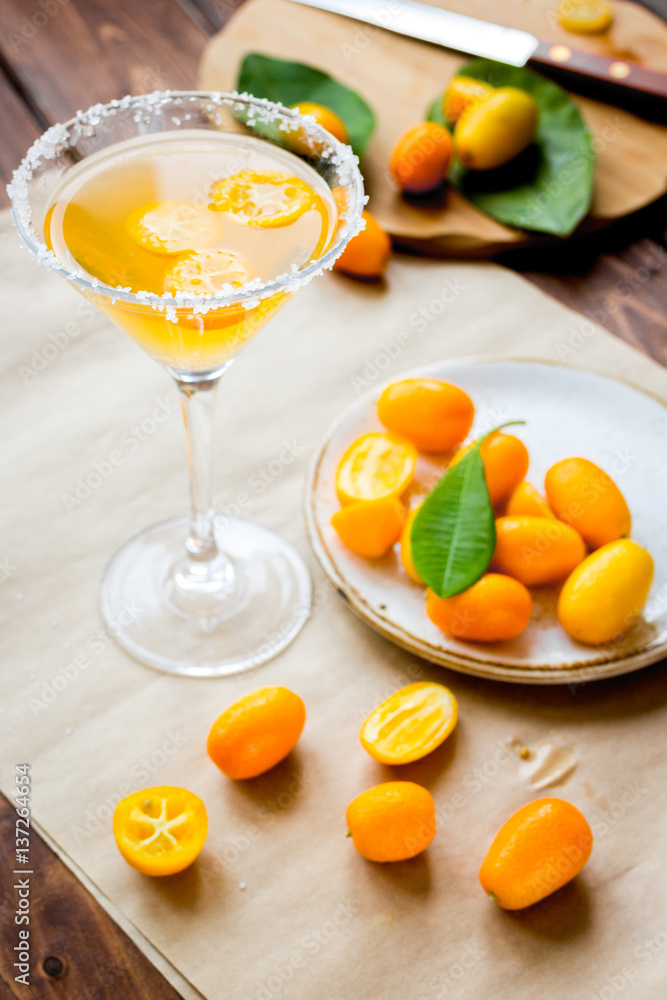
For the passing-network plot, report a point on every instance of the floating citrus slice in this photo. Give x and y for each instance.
(268, 199)
(376, 466)
(410, 723)
(585, 17)
(209, 273)
(168, 227)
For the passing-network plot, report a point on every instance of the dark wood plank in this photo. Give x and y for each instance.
(77, 950)
(625, 292)
(18, 128)
(218, 12)
(207, 16)
(68, 55)
(616, 276)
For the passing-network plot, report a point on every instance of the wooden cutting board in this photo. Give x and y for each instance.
(400, 77)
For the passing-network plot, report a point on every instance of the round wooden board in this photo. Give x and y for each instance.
(400, 77)
(567, 411)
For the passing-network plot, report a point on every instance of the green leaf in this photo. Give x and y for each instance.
(549, 187)
(435, 114)
(454, 533)
(290, 82)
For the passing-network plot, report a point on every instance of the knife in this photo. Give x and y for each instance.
(493, 41)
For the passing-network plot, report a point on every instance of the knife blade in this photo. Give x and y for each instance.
(453, 31)
(493, 41)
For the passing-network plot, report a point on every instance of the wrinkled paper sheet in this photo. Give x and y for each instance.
(279, 904)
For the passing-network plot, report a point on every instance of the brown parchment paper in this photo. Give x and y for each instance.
(279, 904)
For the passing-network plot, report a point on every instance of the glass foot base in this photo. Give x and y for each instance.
(263, 604)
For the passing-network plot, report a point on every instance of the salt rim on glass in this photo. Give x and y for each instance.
(60, 137)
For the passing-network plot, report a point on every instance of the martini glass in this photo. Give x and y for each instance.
(211, 595)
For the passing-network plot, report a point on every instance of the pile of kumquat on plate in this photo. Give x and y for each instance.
(484, 534)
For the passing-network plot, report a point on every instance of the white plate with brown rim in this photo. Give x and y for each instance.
(568, 411)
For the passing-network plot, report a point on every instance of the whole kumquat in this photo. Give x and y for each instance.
(505, 460)
(409, 724)
(325, 117)
(536, 550)
(462, 93)
(496, 129)
(420, 159)
(605, 595)
(375, 466)
(433, 414)
(583, 495)
(367, 254)
(539, 849)
(494, 609)
(370, 527)
(392, 821)
(525, 500)
(256, 732)
(160, 831)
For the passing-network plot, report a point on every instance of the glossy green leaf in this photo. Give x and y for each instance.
(549, 187)
(290, 82)
(454, 533)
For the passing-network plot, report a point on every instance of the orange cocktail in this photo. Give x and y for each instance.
(189, 213)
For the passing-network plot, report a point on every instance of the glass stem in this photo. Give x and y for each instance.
(198, 403)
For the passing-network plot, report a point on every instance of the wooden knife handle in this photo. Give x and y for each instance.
(620, 73)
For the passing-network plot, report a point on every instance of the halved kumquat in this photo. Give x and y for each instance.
(160, 831)
(370, 527)
(210, 273)
(409, 724)
(169, 227)
(585, 17)
(376, 466)
(267, 199)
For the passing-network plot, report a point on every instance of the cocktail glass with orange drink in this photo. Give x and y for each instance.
(189, 219)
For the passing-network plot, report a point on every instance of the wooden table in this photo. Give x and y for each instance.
(57, 56)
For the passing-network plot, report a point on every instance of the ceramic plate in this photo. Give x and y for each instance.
(567, 412)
